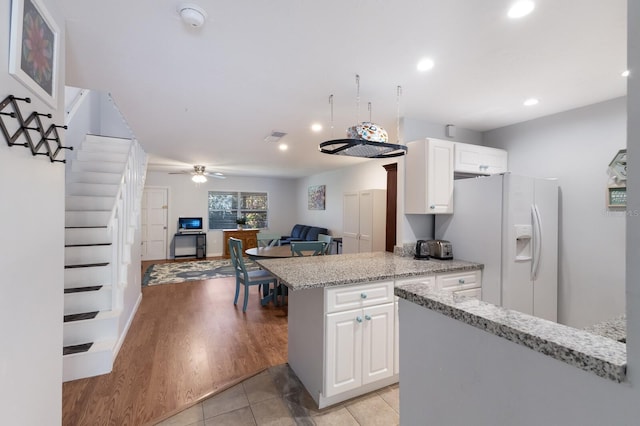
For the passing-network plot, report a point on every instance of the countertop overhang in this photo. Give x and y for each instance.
(326, 271)
(590, 352)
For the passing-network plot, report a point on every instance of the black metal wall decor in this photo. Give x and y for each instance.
(25, 132)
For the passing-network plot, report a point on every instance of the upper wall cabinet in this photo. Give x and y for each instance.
(478, 160)
(429, 177)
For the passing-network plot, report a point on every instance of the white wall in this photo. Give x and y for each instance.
(368, 175)
(188, 199)
(576, 147)
(31, 259)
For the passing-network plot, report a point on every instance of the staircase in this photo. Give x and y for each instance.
(103, 192)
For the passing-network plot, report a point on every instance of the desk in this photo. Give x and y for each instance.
(200, 244)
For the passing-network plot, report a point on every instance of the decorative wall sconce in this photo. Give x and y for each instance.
(48, 141)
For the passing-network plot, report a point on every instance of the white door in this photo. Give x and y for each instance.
(366, 222)
(377, 343)
(350, 222)
(343, 351)
(154, 223)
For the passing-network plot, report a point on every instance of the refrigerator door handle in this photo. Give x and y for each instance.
(537, 241)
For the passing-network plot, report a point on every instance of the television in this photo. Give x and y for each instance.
(189, 224)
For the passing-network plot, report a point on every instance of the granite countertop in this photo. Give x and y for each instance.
(594, 353)
(325, 271)
(614, 328)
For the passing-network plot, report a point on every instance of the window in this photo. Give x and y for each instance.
(225, 207)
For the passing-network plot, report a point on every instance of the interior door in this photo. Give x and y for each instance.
(154, 223)
(366, 222)
(350, 222)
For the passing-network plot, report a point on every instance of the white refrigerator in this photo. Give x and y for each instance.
(510, 224)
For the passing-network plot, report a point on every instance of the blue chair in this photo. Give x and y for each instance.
(327, 240)
(311, 248)
(268, 240)
(247, 278)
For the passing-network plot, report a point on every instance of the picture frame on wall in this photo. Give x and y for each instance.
(35, 49)
(316, 197)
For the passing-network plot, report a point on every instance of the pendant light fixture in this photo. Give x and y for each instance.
(365, 139)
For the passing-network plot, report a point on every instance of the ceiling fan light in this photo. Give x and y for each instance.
(199, 178)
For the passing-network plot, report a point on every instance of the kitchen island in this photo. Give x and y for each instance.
(342, 318)
(504, 366)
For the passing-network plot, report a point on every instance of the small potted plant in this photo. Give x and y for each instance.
(241, 222)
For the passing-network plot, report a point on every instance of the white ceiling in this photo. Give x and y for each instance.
(211, 95)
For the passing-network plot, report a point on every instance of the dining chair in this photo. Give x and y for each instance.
(267, 240)
(248, 278)
(327, 239)
(316, 247)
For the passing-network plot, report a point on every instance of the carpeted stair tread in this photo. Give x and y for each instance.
(82, 289)
(76, 349)
(86, 265)
(80, 317)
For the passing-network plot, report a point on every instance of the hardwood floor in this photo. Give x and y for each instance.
(186, 341)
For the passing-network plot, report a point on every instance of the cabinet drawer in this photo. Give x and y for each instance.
(358, 296)
(429, 280)
(476, 293)
(459, 281)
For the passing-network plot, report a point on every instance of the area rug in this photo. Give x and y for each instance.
(177, 272)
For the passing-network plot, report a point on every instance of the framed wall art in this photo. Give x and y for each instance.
(316, 197)
(34, 49)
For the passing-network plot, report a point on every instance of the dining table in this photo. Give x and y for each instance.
(272, 252)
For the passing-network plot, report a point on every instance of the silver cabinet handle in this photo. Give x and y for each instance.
(432, 207)
(363, 295)
(359, 318)
(367, 317)
(461, 281)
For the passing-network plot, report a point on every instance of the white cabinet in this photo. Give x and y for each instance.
(364, 221)
(429, 177)
(467, 283)
(359, 347)
(359, 336)
(478, 160)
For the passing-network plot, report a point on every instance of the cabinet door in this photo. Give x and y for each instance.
(343, 351)
(377, 343)
(439, 176)
(350, 222)
(396, 339)
(365, 228)
(478, 159)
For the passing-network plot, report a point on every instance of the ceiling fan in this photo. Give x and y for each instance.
(199, 175)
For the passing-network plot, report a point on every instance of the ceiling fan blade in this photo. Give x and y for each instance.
(180, 173)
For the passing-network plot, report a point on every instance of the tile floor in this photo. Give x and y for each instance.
(276, 397)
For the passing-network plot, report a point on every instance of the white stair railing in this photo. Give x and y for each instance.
(125, 217)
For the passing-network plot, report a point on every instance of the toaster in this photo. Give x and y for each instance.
(422, 250)
(440, 249)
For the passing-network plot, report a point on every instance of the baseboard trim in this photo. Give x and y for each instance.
(116, 349)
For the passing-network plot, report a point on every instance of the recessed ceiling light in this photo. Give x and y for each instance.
(283, 147)
(521, 8)
(531, 102)
(316, 127)
(625, 73)
(425, 64)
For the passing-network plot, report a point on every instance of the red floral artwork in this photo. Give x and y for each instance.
(37, 48)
